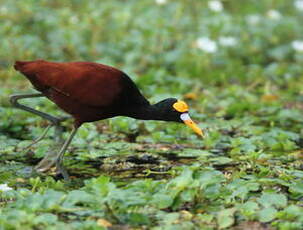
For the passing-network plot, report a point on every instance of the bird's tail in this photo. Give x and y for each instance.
(23, 66)
(29, 69)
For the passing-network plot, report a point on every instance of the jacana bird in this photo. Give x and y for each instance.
(91, 92)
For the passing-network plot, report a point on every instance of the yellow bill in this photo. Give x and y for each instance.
(189, 122)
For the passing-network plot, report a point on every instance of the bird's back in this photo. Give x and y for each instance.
(78, 86)
(89, 83)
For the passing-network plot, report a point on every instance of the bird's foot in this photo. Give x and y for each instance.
(61, 171)
(45, 164)
(49, 160)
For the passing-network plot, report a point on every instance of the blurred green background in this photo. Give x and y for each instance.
(238, 63)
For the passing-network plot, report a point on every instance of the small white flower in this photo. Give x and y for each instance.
(227, 41)
(74, 20)
(95, 13)
(207, 45)
(215, 5)
(161, 2)
(273, 14)
(297, 45)
(3, 10)
(4, 188)
(299, 4)
(253, 19)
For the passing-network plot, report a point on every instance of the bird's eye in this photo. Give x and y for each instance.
(180, 106)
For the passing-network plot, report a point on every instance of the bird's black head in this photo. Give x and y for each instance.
(172, 109)
(167, 111)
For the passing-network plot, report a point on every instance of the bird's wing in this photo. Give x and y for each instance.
(88, 83)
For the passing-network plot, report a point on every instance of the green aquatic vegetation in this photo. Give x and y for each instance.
(238, 66)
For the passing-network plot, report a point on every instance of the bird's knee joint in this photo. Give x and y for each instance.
(13, 99)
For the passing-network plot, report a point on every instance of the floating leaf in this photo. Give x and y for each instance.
(267, 214)
(225, 218)
(273, 199)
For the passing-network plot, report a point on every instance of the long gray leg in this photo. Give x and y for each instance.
(49, 160)
(39, 138)
(14, 101)
(59, 166)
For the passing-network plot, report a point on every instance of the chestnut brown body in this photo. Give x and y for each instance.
(88, 91)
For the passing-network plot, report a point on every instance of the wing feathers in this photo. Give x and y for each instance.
(88, 83)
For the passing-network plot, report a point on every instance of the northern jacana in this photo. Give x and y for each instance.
(91, 92)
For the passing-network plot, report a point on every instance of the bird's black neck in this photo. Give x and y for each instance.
(147, 112)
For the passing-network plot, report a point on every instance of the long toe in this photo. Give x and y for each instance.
(45, 164)
(50, 159)
(61, 171)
